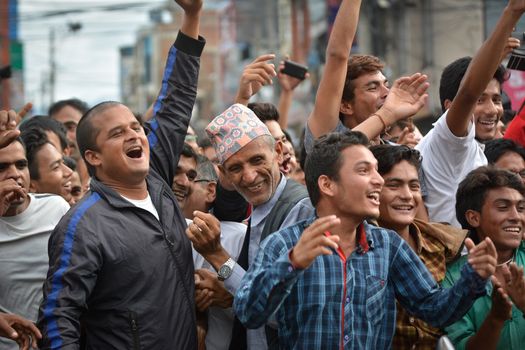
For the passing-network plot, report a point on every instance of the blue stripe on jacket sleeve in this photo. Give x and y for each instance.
(170, 64)
(56, 284)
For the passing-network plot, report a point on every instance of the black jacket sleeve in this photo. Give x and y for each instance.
(174, 104)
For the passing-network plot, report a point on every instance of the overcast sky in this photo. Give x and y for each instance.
(88, 60)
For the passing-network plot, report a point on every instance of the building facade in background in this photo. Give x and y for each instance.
(409, 35)
(11, 57)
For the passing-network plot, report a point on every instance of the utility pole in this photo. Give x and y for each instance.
(72, 27)
(52, 66)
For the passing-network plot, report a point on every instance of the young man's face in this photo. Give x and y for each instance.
(400, 196)
(13, 169)
(54, 175)
(357, 191)
(512, 162)
(370, 92)
(254, 170)
(502, 218)
(182, 181)
(278, 135)
(488, 111)
(70, 117)
(123, 150)
(77, 192)
(201, 197)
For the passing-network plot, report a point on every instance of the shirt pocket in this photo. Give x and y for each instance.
(375, 299)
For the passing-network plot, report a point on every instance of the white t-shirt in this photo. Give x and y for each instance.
(447, 159)
(220, 321)
(23, 256)
(146, 204)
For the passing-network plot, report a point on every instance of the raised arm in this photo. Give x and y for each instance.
(254, 76)
(482, 68)
(407, 96)
(325, 115)
(288, 85)
(175, 101)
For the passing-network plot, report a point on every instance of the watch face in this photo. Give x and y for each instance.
(225, 271)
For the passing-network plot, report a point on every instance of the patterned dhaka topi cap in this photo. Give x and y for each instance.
(233, 129)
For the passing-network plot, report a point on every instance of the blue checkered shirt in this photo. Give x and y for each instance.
(317, 308)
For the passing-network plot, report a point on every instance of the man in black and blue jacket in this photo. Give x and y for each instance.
(119, 261)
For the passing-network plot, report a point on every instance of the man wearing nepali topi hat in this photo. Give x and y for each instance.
(249, 158)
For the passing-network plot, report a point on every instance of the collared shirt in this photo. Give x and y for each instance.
(411, 332)
(256, 338)
(512, 336)
(346, 303)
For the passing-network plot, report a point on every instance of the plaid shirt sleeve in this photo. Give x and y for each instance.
(419, 293)
(268, 281)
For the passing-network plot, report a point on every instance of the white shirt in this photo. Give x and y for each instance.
(447, 159)
(146, 204)
(220, 321)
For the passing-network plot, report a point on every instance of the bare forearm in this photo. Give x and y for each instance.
(190, 25)
(285, 101)
(373, 127)
(480, 72)
(487, 336)
(325, 115)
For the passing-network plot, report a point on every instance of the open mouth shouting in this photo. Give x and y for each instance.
(374, 197)
(135, 152)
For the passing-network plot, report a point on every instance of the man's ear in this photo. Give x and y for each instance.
(279, 151)
(473, 218)
(447, 104)
(346, 108)
(211, 192)
(326, 185)
(93, 158)
(33, 187)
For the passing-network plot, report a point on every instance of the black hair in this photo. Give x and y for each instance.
(87, 132)
(70, 163)
(264, 111)
(205, 169)
(204, 142)
(472, 191)
(77, 104)
(187, 151)
(288, 137)
(46, 123)
(389, 155)
(34, 139)
(325, 158)
(494, 149)
(453, 74)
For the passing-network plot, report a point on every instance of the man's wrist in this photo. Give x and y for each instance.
(387, 115)
(218, 258)
(496, 319)
(242, 100)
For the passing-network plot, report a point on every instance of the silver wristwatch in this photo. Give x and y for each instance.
(226, 269)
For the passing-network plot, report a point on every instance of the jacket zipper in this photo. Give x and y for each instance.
(134, 330)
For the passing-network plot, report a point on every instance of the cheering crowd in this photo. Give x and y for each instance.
(126, 231)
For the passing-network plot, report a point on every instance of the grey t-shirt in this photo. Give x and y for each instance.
(23, 256)
(309, 137)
